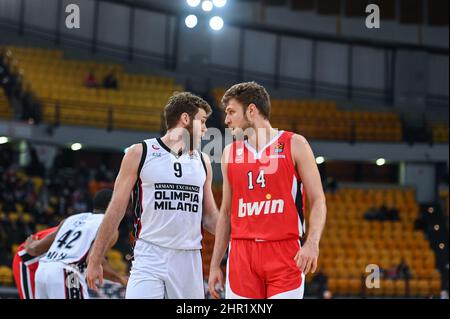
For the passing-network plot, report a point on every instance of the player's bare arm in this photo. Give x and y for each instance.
(223, 230)
(306, 167)
(210, 210)
(116, 210)
(36, 247)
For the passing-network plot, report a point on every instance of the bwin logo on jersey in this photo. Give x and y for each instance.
(255, 208)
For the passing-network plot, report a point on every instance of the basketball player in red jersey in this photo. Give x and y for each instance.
(265, 178)
(25, 265)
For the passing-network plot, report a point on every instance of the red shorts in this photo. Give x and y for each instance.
(24, 274)
(263, 269)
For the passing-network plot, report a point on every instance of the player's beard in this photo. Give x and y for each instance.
(246, 124)
(190, 129)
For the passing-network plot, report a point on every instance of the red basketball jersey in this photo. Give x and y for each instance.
(25, 266)
(267, 194)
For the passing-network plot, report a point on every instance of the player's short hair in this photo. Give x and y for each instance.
(183, 102)
(102, 199)
(247, 93)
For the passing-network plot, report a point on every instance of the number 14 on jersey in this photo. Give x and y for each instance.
(261, 180)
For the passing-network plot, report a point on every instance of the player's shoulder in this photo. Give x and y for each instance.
(205, 157)
(134, 149)
(133, 154)
(298, 140)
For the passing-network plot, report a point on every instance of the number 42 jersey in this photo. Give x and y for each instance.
(74, 239)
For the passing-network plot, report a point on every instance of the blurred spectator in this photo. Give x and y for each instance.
(393, 214)
(28, 202)
(331, 185)
(386, 213)
(372, 214)
(31, 108)
(382, 214)
(391, 273)
(90, 80)
(403, 270)
(8, 80)
(419, 224)
(81, 200)
(35, 167)
(110, 81)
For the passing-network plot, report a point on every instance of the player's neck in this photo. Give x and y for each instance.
(263, 134)
(174, 141)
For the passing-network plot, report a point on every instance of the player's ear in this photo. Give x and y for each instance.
(184, 118)
(251, 109)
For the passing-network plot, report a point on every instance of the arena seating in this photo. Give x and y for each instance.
(17, 222)
(136, 105)
(440, 132)
(350, 243)
(324, 121)
(6, 276)
(117, 261)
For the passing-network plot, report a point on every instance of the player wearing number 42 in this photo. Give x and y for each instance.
(62, 255)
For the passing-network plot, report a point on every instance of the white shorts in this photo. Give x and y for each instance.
(56, 280)
(159, 272)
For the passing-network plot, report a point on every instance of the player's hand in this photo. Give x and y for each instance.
(307, 256)
(29, 245)
(215, 276)
(94, 272)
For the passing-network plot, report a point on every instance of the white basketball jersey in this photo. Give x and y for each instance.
(167, 199)
(74, 239)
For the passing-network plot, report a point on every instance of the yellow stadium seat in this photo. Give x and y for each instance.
(399, 288)
(114, 255)
(6, 276)
(389, 288)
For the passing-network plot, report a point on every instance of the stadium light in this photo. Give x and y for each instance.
(193, 3)
(380, 161)
(191, 21)
(207, 5)
(320, 159)
(3, 140)
(219, 3)
(76, 146)
(216, 23)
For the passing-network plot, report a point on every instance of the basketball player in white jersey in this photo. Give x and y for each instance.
(169, 182)
(60, 272)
